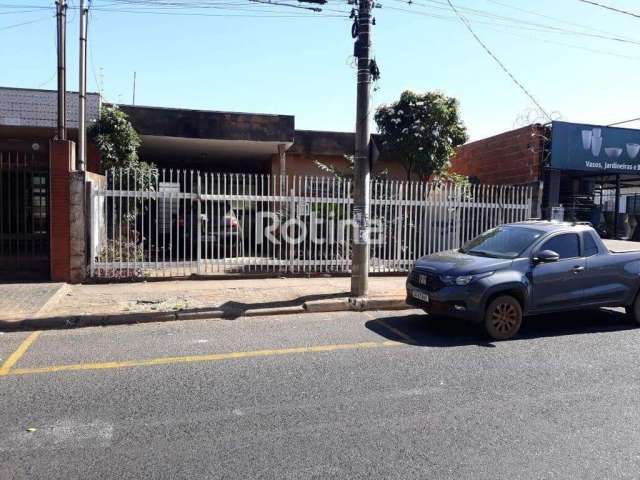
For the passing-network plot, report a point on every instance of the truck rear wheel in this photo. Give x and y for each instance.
(503, 317)
(633, 311)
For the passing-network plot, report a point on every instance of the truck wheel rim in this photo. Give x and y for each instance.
(504, 317)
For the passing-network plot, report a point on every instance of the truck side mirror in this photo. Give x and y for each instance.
(546, 256)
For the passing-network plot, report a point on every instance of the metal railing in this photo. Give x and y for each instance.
(176, 223)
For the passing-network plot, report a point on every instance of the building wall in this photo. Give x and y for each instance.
(304, 165)
(512, 157)
(329, 148)
(24, 107)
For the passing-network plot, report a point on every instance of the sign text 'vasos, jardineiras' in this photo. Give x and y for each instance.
(595, 148)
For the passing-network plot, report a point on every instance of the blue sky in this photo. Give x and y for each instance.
(301, 65)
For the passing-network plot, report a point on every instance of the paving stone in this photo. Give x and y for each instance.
(25, 299)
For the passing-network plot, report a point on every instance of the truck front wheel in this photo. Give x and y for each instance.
(503, 317)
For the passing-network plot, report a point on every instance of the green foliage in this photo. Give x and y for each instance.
(347, 174)
(448, 177)
(118, 143)
(423, 129)
(116, 139)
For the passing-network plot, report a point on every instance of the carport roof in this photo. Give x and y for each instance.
(210, 125)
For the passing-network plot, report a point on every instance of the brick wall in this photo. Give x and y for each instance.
(62, 162)
(508, 158)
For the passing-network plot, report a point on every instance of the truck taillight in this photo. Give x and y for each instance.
(231, 223)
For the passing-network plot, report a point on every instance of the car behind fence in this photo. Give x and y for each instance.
(173, 223)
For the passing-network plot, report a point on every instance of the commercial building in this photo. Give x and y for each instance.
(585, 172)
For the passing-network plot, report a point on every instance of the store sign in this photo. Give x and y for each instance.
(595, 148)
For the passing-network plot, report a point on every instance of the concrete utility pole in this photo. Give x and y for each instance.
(361, 194)
(61, 16)
(82, 89)
(133, 100)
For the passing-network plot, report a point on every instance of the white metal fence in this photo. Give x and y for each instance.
(179, 223)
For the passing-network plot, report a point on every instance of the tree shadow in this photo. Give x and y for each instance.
(434, 331)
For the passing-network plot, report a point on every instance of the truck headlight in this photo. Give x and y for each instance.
(462, 279)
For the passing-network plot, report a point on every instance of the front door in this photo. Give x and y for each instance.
(559, 285)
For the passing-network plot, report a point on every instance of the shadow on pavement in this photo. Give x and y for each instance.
(432, 331)
(234, 310)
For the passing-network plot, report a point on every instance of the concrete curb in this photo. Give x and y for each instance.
(124, 318)
(103, 320)
(359, 304)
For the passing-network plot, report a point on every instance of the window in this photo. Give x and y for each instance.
(502, 242)
(567, 245)
(590, 247)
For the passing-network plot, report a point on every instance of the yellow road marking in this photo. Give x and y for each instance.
(15, 356)
(399, 333)
(201, 358)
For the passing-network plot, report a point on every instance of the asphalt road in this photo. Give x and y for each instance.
(344, 395)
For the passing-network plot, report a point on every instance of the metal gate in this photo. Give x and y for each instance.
(177, 223)
(24, 215)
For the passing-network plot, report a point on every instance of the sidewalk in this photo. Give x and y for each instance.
(120, 303)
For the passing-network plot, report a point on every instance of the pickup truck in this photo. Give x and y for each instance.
(525, 268)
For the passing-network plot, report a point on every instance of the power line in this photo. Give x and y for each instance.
(623, 122)
(467, 24)
(196, 7)
(549, 17)
(281, 4)
(507, 30)
(239, 15)
(24, 23)
(609, 7)
(507, 22)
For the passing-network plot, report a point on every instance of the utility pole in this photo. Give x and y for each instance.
(133, 102)
(61, 16)
(82, 89)
(361, 186)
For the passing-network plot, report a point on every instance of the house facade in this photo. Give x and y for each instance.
(35, 168)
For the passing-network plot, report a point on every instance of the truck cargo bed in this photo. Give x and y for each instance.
(621, 246)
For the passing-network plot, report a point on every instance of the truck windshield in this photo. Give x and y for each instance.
(502, 242)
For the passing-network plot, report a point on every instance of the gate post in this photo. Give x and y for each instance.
(67, 215)
(199, 226)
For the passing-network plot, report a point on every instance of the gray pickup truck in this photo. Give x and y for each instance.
(525, 268)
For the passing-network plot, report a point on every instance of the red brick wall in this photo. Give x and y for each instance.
(508, 158)
(61, 163)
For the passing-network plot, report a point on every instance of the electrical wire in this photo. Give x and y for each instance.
(467, 24)
(245, 5)
(245, 15)
(492, 18)
(609, 7)
(24, 23)
(549, 17)
(498, 28)
(624, 121)
(47, 80)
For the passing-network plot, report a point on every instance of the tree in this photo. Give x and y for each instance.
(423, 130)
(118, 143)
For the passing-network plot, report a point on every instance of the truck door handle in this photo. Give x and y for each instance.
(578, 269)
